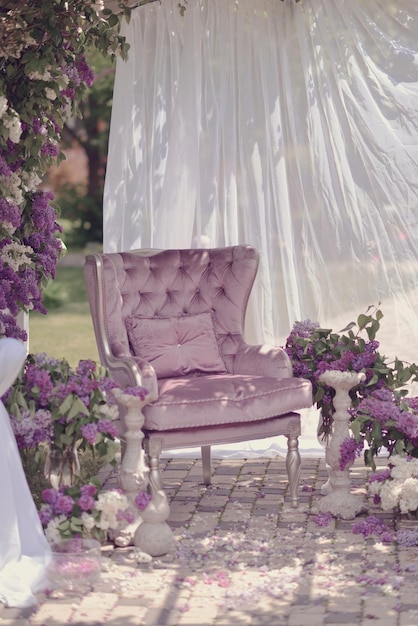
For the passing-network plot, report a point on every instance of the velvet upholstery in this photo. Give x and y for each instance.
(252, 395)
(176, 346)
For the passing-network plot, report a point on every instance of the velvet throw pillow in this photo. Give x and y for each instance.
(176, 346)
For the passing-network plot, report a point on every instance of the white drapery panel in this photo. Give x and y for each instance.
(292, 127)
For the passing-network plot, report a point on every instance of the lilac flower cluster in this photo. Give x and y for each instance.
(378, 477)
(323, 519)
(32, 430)
(60, 502)
(142, 500)
(138, 392)
(349, 449)
(106, 427)
(382, 408)
(407, 538)
(9, 213)
(29, 251)
(373, 526)
(397, 420)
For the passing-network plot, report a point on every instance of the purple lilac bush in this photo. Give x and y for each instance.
(55, 405)
(43, 75)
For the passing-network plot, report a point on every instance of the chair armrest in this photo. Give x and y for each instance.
(262, 360)
(130, 371)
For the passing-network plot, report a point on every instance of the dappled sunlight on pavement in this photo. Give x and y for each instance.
(243, 556)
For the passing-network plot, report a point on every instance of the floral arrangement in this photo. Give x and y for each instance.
(87, 511)
(382, 416)
(43, 75)
(396, 487)
(313, 350)
(53, 405)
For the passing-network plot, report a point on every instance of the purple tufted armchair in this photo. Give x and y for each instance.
(172, 322)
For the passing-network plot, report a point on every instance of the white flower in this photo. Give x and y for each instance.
(88, 521)
(35, 75)
(98, 6)
(390, 494)
(375, 487)
(109, 411)
(30, 180)
(8, 227)
(63, 80)
(10, 186)
(104, 524)
(51, 532)
(16, 255)
(3, 105)
(29, 41)
(403, 467)
(12, 122)
(110, 503)
(408, 500)
(50, 93)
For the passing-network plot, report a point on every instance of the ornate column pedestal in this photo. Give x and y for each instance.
(324, 442)
(339, 501)
(134, 476)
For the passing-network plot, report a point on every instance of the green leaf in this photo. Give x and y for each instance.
(113, 20)
(363, 320)
(76, 524)
(77, 408)
(348, 327)
(369, 459)
(355, 427)
(377, 431)
(66, 439)
(66, 405)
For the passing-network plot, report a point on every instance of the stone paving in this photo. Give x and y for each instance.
(243, 557)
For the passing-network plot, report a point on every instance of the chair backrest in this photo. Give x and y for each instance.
(170, 283)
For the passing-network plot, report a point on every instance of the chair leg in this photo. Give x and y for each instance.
(207, 465)
(293, 463)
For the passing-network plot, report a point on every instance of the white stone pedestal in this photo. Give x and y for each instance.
(339, 501)
(149, 532)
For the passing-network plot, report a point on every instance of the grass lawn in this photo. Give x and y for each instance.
(66, 331)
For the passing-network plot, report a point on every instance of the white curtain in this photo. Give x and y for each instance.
(289, 126)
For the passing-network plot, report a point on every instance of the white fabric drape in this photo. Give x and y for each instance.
(289, 126)
(24, 550)
(293, 127)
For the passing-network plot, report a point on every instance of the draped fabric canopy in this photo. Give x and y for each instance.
(289, 126)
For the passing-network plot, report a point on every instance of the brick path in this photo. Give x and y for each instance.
(243, 557)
